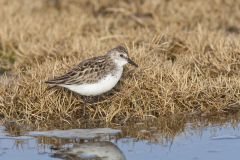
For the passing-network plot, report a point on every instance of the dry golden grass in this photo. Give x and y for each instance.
(188, 53)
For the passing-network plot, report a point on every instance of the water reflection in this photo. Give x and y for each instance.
(211, 137)
(74, 144)
(104, 150)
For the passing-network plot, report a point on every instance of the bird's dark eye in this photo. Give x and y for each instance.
(121, 55)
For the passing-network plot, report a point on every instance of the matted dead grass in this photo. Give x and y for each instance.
(188, 53)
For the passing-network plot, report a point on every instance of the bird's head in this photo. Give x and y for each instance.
(120, 56)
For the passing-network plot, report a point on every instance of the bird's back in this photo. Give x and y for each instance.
(87, 72)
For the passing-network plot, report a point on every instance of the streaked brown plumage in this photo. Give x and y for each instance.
(95, 75)
(88, 71)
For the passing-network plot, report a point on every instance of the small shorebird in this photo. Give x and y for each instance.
(97, 75)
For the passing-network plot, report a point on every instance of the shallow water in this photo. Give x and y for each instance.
(213, 141)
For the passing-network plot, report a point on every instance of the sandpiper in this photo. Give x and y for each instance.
(97, 75)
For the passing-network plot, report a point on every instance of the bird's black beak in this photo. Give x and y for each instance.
(132, 62)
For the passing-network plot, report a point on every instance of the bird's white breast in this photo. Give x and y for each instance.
(103, 85)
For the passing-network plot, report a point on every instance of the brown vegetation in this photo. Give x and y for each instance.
(188, 53)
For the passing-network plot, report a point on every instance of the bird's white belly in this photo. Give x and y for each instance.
(102, 86)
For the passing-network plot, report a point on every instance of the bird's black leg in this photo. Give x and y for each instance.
(95, 99)
(84, 105)
(91, 101)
